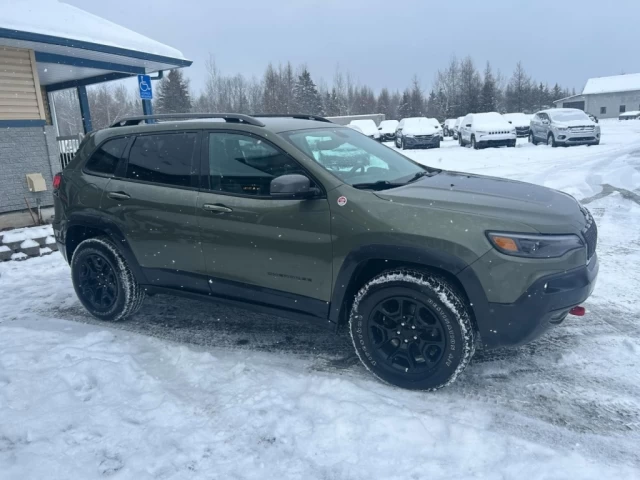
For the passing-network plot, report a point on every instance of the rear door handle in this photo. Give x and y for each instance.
(118, 196)
(216, 208)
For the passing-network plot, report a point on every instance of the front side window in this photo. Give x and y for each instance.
(245, 165)
(105, 159)
(166, 158)
(353, 158)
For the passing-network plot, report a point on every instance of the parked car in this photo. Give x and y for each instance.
(437, 126)
(456, 128)
(448, 127)
(486, 130)
(564, 126)
(356, 128)
(521, 121)
(388, 129)
(368, 127)
(593, 117)
(417, 132)
(635, 115)
(307, 219)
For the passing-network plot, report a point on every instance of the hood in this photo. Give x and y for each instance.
(587, 122)
(543, 209)
(489, 126)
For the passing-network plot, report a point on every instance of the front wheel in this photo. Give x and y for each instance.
(103, 281)
(532, 138)
(402, 146)
(551, 141)
(412, 329)
(474, 144)
(512, 143)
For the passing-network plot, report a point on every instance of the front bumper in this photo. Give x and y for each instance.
(413, 142)
(544, 305)
(522, 131)
(493, 140)
(581, 138)
(388, 137)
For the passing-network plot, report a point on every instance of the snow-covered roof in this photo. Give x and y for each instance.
(616, 83)
(57, 19)
(633, 113)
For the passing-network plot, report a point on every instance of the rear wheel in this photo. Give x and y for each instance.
(412, 329)
(532, 138)
(103, 282)
(551, 141)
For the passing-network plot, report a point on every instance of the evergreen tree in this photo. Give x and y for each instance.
(270, 95)
(404, 108)
(384, 103)
(416, 99)
(556, 93)
(306, 94)
(519, 91)
(173, 94)
(470, 87)
(431, 109)
(488, 100)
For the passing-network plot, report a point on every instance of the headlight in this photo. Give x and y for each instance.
(408, 135)
(563, 129)
(534, 246)
(482, 132)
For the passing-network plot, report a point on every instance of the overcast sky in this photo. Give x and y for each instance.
(384, 43)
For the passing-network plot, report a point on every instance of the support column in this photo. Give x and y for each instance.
(84, 108)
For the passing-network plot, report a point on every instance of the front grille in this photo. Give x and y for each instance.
(581, 139)
(590, 233)
(499, 132)
(585, 128)
(424, 137)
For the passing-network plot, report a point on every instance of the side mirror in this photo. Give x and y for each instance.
(294, 185)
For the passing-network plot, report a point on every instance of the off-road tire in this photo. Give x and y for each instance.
(444, 303)
(532, 139)
(551, 140)
(129, 296)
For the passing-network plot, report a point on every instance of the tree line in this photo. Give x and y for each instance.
(458, 89)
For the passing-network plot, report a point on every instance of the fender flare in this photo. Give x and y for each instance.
(114, 233)
(425, 257)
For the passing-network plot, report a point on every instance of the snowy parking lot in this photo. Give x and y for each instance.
(198, 390)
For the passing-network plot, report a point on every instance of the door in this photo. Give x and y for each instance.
(152, 201)
(266, 249)
(465, 128)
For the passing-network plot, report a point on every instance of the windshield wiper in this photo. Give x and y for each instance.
(423, 173)
(379, 185)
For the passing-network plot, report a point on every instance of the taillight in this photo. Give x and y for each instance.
(57, 180)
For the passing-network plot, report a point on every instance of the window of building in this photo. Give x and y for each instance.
(166, 158)
(603, 110)
(246, 165)
(105, 159)
(623, 108)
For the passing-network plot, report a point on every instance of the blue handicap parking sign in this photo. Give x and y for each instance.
(144, 86)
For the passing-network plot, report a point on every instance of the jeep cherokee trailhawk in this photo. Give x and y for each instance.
(300, 217)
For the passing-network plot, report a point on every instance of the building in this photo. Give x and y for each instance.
(46, 46)
(606, 97)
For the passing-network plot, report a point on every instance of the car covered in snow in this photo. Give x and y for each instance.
(633, 115)
(449, 126)
(486, 130)
(565, 127)
(437, 126)
(387, 130)
(456, 128)
(417, 132)
(299, 217)
(368, 127)
(521, 121)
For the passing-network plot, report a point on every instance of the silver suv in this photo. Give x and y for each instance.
(563, 126)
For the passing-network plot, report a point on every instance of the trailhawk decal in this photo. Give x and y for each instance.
(342, 201)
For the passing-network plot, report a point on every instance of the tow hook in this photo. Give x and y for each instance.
(577, 311)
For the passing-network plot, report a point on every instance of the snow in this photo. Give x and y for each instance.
(388, 126)
(418, 126)
(22, 234)
(4, 248)
(195, 390)
(51, 17)
(19, 256)
(29, 244)
(368, 127)
(518, 119)
(634, 113)
(616, 83)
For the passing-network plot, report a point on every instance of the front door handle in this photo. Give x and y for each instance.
(118, 196)
(216, 208)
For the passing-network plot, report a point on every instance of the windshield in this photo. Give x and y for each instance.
(567, 116)
(353, 158)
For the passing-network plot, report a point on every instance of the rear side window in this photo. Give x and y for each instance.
(166, 158)
(105, 159)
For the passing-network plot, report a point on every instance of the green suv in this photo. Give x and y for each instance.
(299, 217)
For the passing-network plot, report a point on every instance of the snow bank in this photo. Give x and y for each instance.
(51, 17)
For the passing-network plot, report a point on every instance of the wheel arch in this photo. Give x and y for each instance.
(364, 263)
(80, 228)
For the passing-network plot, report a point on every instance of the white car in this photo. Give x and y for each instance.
(521, 121)
(437, 126)
(486, 130)
(356, 128)
(417, 132)
(448, 127)
(368, 127)
(456, 128)
(388, 129)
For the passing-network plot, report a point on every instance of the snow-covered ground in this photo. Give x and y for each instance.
(196, 390)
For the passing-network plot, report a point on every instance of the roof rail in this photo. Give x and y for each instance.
(300, 116)
(229, 117)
